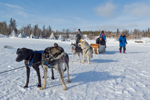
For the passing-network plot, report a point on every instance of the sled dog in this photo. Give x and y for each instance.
(87, 51)
(76, 50)
(29, 56)
(54, 57)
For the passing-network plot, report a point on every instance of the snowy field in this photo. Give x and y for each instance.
(110, 76)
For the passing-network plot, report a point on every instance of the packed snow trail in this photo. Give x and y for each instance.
(110, 75)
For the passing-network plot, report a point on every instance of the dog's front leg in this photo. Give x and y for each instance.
(36, 67)
(88, 59)
(72, 57)
(83, 58)
(28, 75)
(45, 77)
(79, 57)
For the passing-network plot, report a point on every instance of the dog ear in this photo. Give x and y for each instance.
(17, 50)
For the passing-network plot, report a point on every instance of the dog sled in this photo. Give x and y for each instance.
(101, 48)
(97, 49)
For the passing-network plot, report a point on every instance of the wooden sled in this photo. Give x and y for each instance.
(95, 46)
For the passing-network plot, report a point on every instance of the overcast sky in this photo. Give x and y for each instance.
(74, 14)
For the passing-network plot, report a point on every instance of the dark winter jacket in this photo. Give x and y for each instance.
(78, 37)
(101, 42)
(122, 41)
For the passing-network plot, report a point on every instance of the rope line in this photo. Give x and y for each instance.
(11, 70)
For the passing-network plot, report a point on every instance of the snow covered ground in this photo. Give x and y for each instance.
(110, 76)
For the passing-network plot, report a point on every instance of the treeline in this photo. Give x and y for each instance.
(28, 30)
(7, 29)
(46, 31)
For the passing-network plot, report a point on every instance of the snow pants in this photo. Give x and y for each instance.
(124, 48)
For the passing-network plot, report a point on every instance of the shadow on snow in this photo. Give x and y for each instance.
(103, 60)
(91, 76)
(111, 52)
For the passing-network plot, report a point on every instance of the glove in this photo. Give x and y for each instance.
(75, 38)
(80, 40)
(126, 43)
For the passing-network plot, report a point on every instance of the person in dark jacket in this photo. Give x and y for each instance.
(122, 43)
(78, 36)
(100, 41)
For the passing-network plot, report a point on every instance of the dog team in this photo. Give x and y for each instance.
(55, 57)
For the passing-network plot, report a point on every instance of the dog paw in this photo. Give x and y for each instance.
(64, 88)
(25, 86)
(88, 63)
(52, 78)
(71, 61)
(68, 81)
(42, 88)
(39, 86)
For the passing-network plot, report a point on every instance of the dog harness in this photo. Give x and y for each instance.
(33, 56)
(48, 65)
(87, 50)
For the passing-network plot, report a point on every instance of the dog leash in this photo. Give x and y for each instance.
(11, 70)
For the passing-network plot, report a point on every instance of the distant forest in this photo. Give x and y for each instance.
(46, 31)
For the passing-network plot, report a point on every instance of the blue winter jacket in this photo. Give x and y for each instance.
(122, 40)
(103, 35)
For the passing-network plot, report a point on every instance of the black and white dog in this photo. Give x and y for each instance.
(76, 50)
(31, 58)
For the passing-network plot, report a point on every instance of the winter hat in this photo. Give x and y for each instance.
(123, 33)
(103, 31)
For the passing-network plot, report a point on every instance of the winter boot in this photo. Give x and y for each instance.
(120, 51)
(123, 51)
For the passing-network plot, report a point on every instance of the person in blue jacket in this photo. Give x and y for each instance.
(103, 36)
(122, 43)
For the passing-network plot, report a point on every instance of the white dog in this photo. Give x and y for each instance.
(87, 51)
